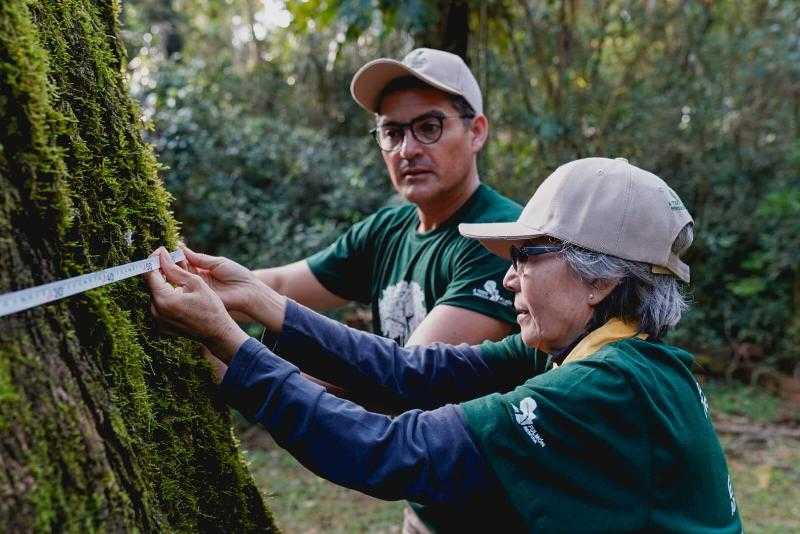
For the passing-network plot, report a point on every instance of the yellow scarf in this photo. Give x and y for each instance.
(613, 330)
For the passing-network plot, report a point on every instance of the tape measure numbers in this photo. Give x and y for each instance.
(36, 296)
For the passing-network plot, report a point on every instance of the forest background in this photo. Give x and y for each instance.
(247, 104)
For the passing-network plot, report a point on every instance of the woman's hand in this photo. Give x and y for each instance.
(241, 292)
(234, 284)
(184, 304)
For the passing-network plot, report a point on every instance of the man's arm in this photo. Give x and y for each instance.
(453, 325)
(296, 281)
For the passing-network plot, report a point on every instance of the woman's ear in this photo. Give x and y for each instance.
(599, 290)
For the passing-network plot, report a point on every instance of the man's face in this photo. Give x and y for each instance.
(427, 173)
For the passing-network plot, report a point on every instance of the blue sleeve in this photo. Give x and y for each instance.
(428, 457)
(414, 377)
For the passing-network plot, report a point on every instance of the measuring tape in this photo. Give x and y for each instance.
(36, 296)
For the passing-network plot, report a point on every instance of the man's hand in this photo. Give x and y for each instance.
(183, 303)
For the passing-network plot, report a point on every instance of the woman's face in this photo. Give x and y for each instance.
(553, 305)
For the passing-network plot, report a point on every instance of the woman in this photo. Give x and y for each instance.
(607, 431)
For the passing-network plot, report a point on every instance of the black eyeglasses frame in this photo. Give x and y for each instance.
(410, 126)
(521, 254)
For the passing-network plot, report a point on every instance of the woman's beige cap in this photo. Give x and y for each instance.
(440, 69)
(604, 205)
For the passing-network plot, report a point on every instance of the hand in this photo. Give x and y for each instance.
(243, 294)
(234, 284)
(183, 303)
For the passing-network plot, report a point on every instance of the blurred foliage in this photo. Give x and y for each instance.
(254, 187)
(755, 403)
(269, 159)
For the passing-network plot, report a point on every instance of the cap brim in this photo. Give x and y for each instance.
(370, 80)
(497, 236)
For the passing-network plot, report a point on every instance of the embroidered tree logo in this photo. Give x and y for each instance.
(402, 309)
(524, 413)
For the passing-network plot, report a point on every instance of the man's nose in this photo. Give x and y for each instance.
(410, 147)
(511, 280)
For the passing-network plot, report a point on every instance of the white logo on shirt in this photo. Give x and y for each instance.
(490, 292)
(733, 498)
(401, 309)
(525, 415)
(703, 399)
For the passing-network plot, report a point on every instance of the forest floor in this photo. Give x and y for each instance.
(760, 433)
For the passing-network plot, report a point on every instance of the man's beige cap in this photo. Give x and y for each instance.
(604, 205)
(440, 69)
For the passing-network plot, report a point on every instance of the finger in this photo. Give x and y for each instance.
(199, 259)
(218, 367)
(240, 317)
(183, 264)
(155, 280)
(174, 274)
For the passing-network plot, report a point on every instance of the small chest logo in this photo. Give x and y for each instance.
(490, 292)
(525, 415)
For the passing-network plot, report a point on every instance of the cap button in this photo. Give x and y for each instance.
(624, 160)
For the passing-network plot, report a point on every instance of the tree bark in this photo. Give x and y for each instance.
(104, 425)
(452, 28)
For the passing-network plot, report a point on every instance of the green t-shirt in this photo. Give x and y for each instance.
(619, 441)
(384, 261)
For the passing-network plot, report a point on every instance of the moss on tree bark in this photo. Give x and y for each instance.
(104, 426)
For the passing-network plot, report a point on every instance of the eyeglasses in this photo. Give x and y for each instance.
(521, 254)
(426, 129)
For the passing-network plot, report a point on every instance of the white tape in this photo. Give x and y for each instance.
(36, 296)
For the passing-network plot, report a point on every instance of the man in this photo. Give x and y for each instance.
(425, 282)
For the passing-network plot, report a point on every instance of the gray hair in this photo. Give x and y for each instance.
(653, 301)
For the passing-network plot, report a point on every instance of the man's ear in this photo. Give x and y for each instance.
(479, 128)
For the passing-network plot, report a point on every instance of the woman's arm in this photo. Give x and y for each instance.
(417, 377)
(428, 457)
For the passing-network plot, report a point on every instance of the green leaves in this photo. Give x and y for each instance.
(701, 93)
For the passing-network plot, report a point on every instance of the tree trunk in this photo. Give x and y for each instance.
(454, 26)
(104, 426)
(451, 30)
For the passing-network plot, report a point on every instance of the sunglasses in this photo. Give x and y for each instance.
(521, 254)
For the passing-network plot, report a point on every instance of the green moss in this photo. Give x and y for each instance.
(113, 427)
(7, 391)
